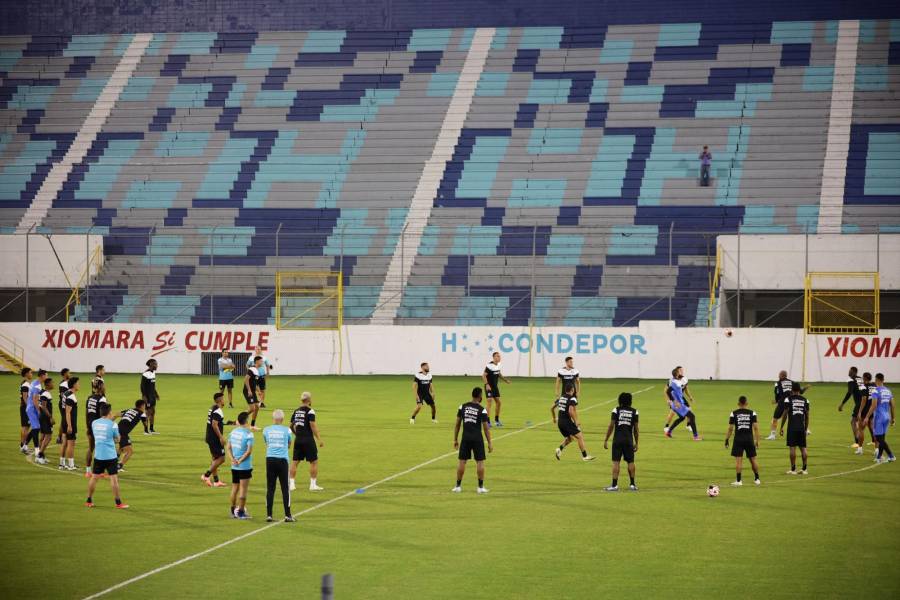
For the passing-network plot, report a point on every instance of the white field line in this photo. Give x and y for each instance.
(212, 549)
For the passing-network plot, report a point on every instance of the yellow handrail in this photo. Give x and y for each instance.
(84, 279)
(714, 287)
(11, 347)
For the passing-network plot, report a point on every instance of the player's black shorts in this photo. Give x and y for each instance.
(71, 436)
(855, 414)
(216, 449)
(306, 449)
(426, 399)
(779, 410)
(90, 431)
(151, 402)
(250, 398)
(46, 424)
(864, 408)
(110, 466)
(740, 448)
(238, 474)
(23, 416)
(567, 428)
(261, 384)
(623, 450)
(226, 383)
(796, 438)
(470, 448)
(494, 392)
(124, 440)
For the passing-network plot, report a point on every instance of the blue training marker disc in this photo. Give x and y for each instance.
(360, 490)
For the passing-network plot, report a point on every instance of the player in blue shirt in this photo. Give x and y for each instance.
(226, 375)
(278, 442)
(675, 398)
(264, 369)
(105, 457)
(33, 410)
(882, 413)
(240, 448)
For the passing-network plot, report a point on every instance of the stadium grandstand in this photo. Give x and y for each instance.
(458, 175)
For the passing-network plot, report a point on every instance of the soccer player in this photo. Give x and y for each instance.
(251, 389)
(226, 375)
(491, 378)
(92, 413)
(565, 407)
(743, 423)
(782, 391)
(46, 420)
(105, 435)
(796, 411)
(675, 397)
(423, 386)
(687, 398)
(264, 368)
(855, 389)
(215, 439)
(624, 421)
(99, 374)
(882, 415)
(33, 410)
(865, 418)
(303, 423)
(278, 441)
(240, 449)
(150, 395)
(473, 419)
(24, 421)
(567, 375)
(70, 427)
(63, 390)
(127, 422)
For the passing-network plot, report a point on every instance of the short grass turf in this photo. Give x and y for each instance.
(546, 530)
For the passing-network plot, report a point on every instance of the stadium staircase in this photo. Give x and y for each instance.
(445, 185)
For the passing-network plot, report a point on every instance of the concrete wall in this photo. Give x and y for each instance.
(66, 17)
(647, 351)
(42, 264)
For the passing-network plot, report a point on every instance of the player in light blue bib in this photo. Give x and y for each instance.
(278, 442)
(883, 407)
(240, 450)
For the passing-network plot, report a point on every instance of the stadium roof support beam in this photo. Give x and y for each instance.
(423, 198)
(83, 141)
(834, 171)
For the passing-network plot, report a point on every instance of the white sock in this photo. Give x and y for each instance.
(71, 462)
(292, 481)
(312, 481)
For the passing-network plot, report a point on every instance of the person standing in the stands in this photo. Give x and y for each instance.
(705, 164)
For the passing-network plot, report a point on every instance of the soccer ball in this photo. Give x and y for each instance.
(728, 333)
(712, 491)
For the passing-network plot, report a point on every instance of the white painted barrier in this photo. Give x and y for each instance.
(647, 351)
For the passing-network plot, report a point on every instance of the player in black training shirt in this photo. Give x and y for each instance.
(565, 407)
(63, 390)
(423, 386)
(743, 423)
(24, 389)
(127, 422)
(865, 423)
(91, 414)
(782, 390)
(491, 378)
(150, 396)
(303, 424)
(45, 416)
(70, 427)
(624, 422)
(796, 411)
(473, 419)
(251, 390)
(567, 375)
(215, 439)
(856, 388)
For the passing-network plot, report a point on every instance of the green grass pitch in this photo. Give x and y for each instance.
(545, 530)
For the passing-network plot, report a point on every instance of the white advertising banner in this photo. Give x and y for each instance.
(650, 350)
